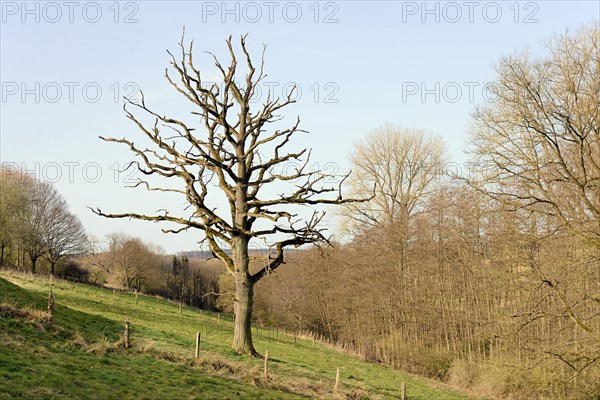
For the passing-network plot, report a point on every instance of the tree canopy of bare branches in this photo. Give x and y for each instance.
(129, 258)
(537, 146)
(237, 151)
(399, 165)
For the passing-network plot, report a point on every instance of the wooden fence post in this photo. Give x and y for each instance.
(267, 364)
(197, 344)
(126, 343)
(403, 391)
(337, 379)
(51, 306)
(136, 297)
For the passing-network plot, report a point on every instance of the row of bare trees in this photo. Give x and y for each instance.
(35, 223)
(129, 263)
(492, 279)
(468, 304)
(123, 261)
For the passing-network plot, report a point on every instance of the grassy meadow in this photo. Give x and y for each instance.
(80, 354)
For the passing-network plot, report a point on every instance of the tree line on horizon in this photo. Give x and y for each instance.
(38, 233)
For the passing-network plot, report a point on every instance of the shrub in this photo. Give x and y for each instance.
(433, 363)
(463, 374)
(72, 271)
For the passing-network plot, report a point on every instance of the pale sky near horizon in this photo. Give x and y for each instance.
(65, 66)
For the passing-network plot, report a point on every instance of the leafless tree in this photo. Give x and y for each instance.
(538, 146)
(36, 218)
(231, 157)
(46, 228)
(64, 235)
(42, 200)
(400, 165)
(129, 259)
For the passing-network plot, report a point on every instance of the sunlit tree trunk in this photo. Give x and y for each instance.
(244, 295)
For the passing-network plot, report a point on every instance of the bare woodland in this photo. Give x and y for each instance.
(489, 280)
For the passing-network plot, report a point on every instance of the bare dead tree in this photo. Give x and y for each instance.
(231, 155)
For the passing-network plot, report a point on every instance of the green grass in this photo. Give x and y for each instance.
(79, 356)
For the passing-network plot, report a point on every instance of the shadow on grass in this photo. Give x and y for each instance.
(67, 320)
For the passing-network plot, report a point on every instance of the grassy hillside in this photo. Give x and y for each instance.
(79, 355)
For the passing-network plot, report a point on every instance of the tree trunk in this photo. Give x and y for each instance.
(33, 263)
(244, 295)
(242, 336)
(52, 264)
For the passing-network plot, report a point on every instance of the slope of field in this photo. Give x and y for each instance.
(79, 355)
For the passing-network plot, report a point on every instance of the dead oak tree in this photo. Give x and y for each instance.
(230, 156)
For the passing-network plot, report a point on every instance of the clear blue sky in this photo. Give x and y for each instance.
(358, 64)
